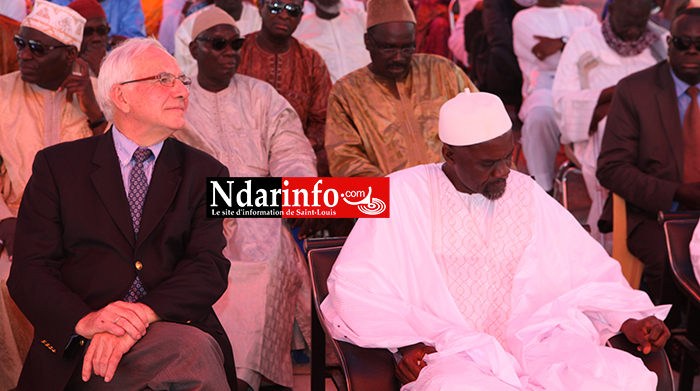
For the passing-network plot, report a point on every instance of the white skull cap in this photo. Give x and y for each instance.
(472, 118)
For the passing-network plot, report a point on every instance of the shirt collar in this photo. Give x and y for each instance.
(680, 85)
(126, 148)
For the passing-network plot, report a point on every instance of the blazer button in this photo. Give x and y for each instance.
(82, 342)
(139, 265)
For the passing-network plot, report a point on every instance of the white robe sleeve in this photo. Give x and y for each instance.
(695, 251)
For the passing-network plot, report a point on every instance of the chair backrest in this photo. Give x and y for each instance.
(632, 267)
(364, 369)
(678, 236)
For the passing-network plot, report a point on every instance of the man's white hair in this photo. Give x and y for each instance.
(118, 67)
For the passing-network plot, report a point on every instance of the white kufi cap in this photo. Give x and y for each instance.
(472, 118)
(61, 23)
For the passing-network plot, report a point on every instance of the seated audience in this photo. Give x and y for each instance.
(592, 63)
(335, 32)
(296, 71)
(649, 154)
(125, 18)
(8, 54)
(247, 18)
(116, 265)
(456, 42)
(268, 273)
(539, 36)
(484, 282)
(383, 118)
(94, 47)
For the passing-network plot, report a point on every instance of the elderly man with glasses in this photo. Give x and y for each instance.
(269, 283)
(296, 71)
(116, 265)
(384, 117)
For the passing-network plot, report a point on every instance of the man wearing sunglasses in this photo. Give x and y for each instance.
(384, 117)
(95, 34)
(247, 18)
(649, 154)
(593, 61)
(295, 70)
(247, 125)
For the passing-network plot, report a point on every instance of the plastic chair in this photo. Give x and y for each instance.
(364, 369)
(632, 267)
(679, 231)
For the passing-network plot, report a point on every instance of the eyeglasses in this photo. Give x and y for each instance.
(684, 43)
(406, 51)
(102, 30)
(165, 79)
(275, 7)
(220, 44)
(37, 48)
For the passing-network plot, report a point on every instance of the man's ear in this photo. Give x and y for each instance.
(71, 54)
(448, 154)
(194, 49)
(367, 41)
(119, 98)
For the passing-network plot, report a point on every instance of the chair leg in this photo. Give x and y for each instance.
(318, 353)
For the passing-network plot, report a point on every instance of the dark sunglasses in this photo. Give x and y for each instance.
(684, 43)
(220, 44)
(102, 30)
(275, 7)
(37, 48)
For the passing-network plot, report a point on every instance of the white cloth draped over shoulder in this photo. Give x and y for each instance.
(533, 281)
(340, 41)
(255, 132)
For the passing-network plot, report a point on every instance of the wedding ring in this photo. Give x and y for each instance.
(117, 320)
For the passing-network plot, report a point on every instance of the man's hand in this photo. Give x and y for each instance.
(546, 47)
(117, 318)
(412, 362)
(649, 333)
(601, 109)
(81, 86)
(7, 234)
(104, 353)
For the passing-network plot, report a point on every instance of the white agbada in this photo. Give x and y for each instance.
(250, 21)
(540, 133)
(255, 132)
(340, 41)
(588, 66)
(513, 293)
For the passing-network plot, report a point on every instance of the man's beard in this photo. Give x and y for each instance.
(495, 190)
(330, 9)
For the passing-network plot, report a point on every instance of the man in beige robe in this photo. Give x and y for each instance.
(42, 104)
(255, 132)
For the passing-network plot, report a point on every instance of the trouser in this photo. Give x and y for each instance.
(170, 356)
(540, 138)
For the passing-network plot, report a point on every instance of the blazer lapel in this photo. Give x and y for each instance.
(162, 189)
(668, 112)
(106, 177)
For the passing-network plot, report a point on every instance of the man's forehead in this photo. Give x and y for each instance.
(36, 35)
(154, 61)
(393, 32)
(686, 25)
